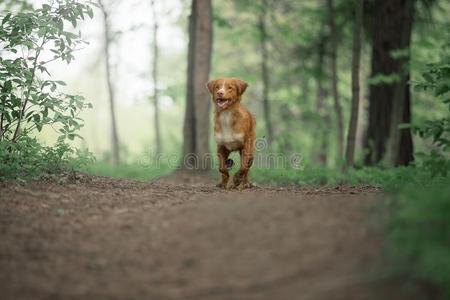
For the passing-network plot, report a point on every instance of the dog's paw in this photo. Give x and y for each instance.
(235, 186)
(236, 180)
(221, 185)
(247, 185)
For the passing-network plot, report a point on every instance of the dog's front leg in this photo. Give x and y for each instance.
(223, 154)
(246, 162)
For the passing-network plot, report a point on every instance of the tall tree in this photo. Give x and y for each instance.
(106, 49)
(196, 122)
(321, 95)
(334, 78)
(264, 68)
(401, 95)
(158, 142)
(356, 54)
(392, 26)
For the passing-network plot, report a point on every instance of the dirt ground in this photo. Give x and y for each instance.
(102, 238)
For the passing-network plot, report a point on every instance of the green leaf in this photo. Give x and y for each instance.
(428, 77)
(36, 118)
(73, 21)
(379, 79)
(90, 12)
(60, 25)
(442, 88)
(7, 17)
(7, 86)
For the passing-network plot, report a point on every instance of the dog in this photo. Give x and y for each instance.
(234, 129)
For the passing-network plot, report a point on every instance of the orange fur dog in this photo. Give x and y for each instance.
(234, 129)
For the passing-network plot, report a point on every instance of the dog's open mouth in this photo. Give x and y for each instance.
(221, 102)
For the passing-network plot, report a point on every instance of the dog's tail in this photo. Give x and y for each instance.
(229, 163)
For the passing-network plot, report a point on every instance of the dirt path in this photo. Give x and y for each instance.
(115, 239)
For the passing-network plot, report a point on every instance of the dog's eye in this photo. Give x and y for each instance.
(230, 88)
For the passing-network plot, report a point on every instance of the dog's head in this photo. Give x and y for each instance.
(226, 91)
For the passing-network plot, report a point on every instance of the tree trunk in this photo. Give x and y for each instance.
(362, 110)
(334, 80)
(265, 70)
(401, 98)
(158, 142)
(351, 137)
(107, 40)
(197, 114)
(322, 146)
(392, 31)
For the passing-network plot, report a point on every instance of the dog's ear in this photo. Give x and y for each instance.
(241, 86)
(210, 85)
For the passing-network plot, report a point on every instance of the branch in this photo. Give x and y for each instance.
(33, 74)
(59, 56)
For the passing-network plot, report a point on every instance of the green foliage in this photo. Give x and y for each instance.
(418, 228)
(389, 179)
(437, 83)
(15, 5)
(28, 100)
(27, 159)
(380, 79)
(132, 170)
(418, 232)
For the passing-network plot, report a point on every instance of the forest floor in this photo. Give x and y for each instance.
(183, 238)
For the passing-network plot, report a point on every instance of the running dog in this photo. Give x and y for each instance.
(234, 129)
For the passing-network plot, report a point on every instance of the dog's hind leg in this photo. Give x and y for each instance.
(223, 154)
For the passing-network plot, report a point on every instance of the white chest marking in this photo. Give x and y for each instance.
(227, 136)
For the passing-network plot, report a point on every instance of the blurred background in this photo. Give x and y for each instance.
(131, 44)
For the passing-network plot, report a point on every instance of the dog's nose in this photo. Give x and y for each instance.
(219, 94)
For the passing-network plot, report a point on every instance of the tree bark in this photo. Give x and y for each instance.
(391, 31)
(401, 97)
(334, 80)
(265, 70)
(351, 137)
(197, 114)
(323, 132)
(107, 40)
(158, 142)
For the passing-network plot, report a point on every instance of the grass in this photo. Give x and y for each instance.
(388, 179)
(133, 170)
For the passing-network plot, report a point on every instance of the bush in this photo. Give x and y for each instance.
(418, 230)
(29, 99)
(27, 159)
(418, 233)
(437, 83)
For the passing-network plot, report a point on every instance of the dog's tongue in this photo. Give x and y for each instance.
(222, 103)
